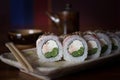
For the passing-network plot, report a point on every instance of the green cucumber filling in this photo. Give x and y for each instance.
(104, 48)
(114, 47)
(78, 53)
(114, 44)
(52, 54)
(92, 51)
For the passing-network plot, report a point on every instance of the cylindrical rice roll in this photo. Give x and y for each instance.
(115, 42)
(94, 47)
(49, 48)
(75, 48)
(105, 43)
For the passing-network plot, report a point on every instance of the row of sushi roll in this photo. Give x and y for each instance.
(78, 46)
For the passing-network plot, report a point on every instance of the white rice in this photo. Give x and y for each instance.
(117, 40)
(92, 38)
(39, 44)
(67, 56)
(107, 39)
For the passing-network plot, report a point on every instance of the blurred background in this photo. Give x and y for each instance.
(20, 14)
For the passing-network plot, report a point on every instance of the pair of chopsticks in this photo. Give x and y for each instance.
(20, 58)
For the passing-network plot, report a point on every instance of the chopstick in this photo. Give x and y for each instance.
(20, 58)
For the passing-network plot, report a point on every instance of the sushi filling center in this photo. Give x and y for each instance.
(50, 49)
(104, 45)
(76, 48)
(114, 44)
(92, 47)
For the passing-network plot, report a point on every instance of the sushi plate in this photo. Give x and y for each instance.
(49, 70)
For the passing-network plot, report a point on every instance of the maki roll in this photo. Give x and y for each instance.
(94, 47)
(49, 48)
(117, 33)
(105, 43)
(75, 48)
(115, 42)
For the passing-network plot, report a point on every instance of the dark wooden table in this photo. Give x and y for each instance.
(105, 71)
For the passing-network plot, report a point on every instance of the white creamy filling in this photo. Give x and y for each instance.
(48, 46)
(75, 46)
(103, 42)
(92, 44)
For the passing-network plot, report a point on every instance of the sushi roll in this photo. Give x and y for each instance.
(117, 33)
(94, 47)
(105, 43)
(74, 48)
(115, 42)
(49, 48)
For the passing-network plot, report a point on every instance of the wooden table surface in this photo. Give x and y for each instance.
(105, 71)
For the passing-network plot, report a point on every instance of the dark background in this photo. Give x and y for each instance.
(94, 14)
